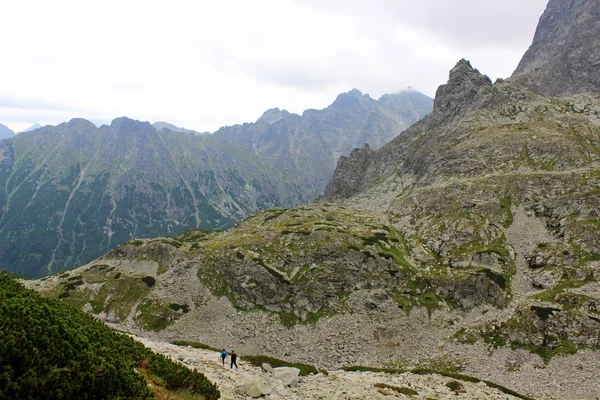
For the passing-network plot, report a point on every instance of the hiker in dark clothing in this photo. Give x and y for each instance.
(233, 359)
(223, 356)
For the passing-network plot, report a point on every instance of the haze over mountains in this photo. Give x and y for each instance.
(74, 191)
(470, 239)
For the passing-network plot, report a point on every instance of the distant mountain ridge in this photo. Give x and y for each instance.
(309, 145)
(71, 192)
(32, 128)
(6, 132)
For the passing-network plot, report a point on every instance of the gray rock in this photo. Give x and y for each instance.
(288, 376)
(266, 367)
(254, 387)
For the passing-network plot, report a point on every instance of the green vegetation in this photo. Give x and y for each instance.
(403, 390)
(196, 345)
(506, 204)
(50, 350)
(155, 315)
(305, 369)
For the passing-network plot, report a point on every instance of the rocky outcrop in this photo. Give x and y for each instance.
(564, 58)
(348, 178)
(453, 99)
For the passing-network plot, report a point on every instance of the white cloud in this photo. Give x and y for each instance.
(201, 64)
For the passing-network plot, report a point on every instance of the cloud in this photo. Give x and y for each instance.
(202, 65)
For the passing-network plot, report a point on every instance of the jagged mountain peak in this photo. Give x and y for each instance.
(564, 58)
(272, 115)
(464, 83)
(349, 98)
(127, 125)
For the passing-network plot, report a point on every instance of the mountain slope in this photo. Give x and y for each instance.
(564, 58)
(5, 132)
(72, 192)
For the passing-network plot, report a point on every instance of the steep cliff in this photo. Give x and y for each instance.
(564, 58)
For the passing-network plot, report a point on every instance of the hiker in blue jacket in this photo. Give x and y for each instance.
(223, 356)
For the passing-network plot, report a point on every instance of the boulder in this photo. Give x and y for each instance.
(266, 367)
(254, 387)
(289, 376)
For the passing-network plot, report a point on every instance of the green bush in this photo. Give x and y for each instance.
(149, 280)
(49, 350)
(456, 387)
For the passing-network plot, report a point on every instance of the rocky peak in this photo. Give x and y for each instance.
(464, 84)
(127, 125)
(271, 116)
(81, 124)
(351, 98)
(564, 58)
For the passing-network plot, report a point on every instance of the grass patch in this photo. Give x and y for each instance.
(400, 389)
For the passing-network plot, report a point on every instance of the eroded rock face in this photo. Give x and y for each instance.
(349, 173)
(464, 85)
(564, 58)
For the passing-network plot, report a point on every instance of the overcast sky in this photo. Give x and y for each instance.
(204, 64)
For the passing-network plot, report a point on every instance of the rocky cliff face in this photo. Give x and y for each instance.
(564, 58)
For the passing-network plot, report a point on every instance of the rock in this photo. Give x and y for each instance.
(266, 367)
(254, 387)
(289, 376)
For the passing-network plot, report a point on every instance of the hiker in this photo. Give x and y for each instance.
(223, 356)
(233, 359)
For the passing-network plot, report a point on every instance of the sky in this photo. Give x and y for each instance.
(206, 64)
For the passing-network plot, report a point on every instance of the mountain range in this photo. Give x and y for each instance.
(74, 191)
(468, 242)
